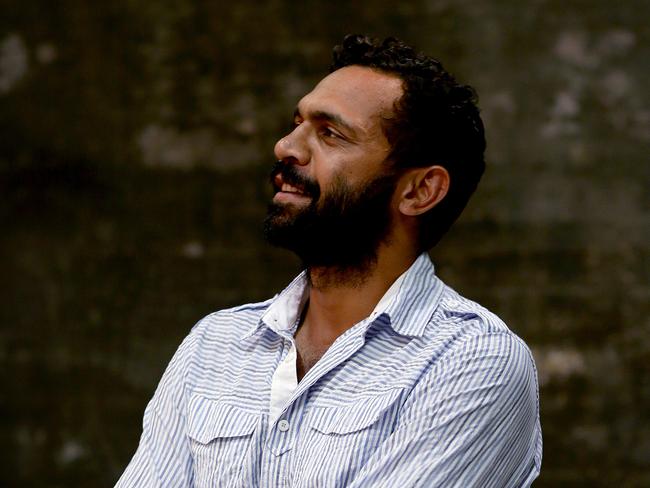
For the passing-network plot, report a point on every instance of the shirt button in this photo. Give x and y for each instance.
(283, 425)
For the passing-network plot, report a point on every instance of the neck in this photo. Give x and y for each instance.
(341, 297)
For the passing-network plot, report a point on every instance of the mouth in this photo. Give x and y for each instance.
(286, 192)
(291, 187)
(287, 188)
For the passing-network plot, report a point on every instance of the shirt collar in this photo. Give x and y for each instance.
(417, 298)
(284, 312)
(409, 303)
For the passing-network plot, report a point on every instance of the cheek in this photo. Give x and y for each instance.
(353, 164)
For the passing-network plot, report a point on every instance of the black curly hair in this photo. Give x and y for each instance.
(436, 121)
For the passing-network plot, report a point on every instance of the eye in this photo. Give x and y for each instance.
(329, 133)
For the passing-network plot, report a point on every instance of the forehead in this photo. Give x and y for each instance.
(358, 94)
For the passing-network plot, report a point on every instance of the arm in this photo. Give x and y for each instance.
(163, 458)
(471, 421)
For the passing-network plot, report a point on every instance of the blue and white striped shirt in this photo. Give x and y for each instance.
(429, 390)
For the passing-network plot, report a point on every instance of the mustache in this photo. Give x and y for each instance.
(291, 176)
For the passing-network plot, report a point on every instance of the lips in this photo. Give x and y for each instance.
(282, 185)
(291, 186)
(287, 188)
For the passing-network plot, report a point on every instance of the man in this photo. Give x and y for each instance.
(366, 370)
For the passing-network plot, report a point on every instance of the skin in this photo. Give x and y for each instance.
(338, 131)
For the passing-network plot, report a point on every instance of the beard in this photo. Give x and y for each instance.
(341, 228)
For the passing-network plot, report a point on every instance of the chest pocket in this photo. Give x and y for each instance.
(220, 438)
(355, 417)
(343, 438)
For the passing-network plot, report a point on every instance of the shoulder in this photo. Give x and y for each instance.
(476, 336)
(231, 320)
(214, 341)
(481, 391)
(479, 357)
(218, 330)
(467, 313)
(466, 319)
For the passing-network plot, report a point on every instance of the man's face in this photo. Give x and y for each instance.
(332, 204)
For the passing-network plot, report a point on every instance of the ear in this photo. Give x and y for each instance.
(422, 189)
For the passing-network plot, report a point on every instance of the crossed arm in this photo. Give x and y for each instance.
(471, 421)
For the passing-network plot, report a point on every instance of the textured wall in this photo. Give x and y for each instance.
(135, 138)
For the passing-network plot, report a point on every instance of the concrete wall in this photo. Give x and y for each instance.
(135, 138)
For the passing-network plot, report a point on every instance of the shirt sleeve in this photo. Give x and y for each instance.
(163, 456)
(472, 421)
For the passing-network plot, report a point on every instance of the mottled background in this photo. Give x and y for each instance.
(135, 139)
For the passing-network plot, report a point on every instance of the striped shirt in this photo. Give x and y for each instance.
(431, 389)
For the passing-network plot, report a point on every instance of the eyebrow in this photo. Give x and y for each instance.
(323, 116)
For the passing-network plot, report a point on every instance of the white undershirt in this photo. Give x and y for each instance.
(284, 383)
(285, 379)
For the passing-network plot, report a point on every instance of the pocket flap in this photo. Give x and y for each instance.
(211, 419)
(352, 418)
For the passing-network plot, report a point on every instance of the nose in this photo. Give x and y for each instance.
(293, 147)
